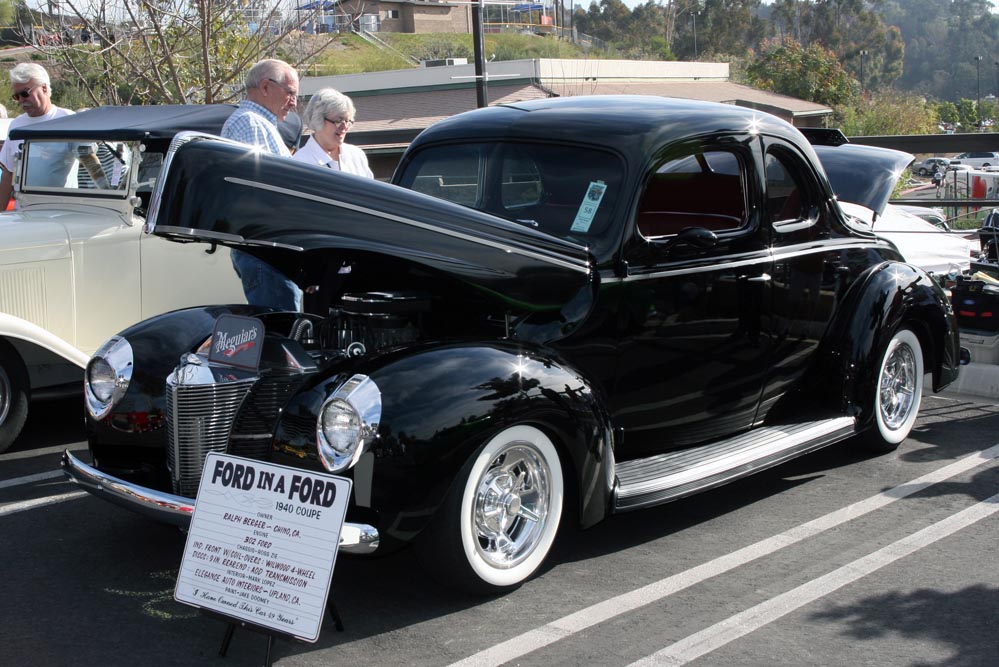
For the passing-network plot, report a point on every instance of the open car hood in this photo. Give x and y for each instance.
(225, 192)
(863, 175)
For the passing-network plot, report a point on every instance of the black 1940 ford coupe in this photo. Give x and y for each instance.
(561, 309)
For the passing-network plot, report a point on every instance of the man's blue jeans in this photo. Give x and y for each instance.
(263, 285)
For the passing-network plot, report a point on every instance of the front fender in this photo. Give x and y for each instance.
(440, 405)
(20, 329)
(138, 419)
(890, 296)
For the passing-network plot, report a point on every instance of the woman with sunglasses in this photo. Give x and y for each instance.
(33, 92)
(330, 115)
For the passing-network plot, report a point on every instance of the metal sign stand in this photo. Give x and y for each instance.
(231, 624)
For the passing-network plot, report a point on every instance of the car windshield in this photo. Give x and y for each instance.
(76, 167)
(566, 191)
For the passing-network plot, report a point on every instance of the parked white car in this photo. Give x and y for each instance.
(977, 159)
(931, 165)
(75, 265)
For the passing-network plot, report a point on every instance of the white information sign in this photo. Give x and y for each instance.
(263, 543)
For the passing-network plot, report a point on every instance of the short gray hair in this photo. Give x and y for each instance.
(270, 68)
(324, 102)
(26, 72)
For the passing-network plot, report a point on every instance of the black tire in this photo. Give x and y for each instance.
(923, 171)
(13, 396)
(898, 392)
(501, 517)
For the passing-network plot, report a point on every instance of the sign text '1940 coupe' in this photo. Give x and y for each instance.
(570, 308)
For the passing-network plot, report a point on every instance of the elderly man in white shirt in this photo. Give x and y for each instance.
(32, 90)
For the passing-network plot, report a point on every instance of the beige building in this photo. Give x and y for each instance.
(411, 16)
(393, 107)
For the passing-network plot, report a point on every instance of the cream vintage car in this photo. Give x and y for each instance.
(75, 265)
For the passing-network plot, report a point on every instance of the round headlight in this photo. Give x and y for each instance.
(101, 379)
(108, 375)
(341, 426)
(348, 419)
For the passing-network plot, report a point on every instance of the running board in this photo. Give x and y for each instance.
(664, 477)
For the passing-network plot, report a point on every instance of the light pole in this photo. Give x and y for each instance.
(694, 16)
(978, 74)
(863, 52)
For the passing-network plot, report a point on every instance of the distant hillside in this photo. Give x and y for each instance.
(355, 55)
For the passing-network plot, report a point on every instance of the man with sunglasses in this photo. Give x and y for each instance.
(33, 91)
(271, 92)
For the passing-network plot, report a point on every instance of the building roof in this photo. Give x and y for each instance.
(393, 106)
(708, 91)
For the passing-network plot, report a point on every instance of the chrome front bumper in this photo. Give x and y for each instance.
(355, 538)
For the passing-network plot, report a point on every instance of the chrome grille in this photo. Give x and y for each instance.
(254, 428)
(200, 413)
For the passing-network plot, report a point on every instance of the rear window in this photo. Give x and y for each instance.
(566, 191)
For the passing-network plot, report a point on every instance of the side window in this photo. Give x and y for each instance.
(452, 175)
(521, 182)
(785, 200)
(705, 189)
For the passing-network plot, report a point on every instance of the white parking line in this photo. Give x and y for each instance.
(602, 611)
(45, 451)
(28, 479)
(694, 646)
(14, 508)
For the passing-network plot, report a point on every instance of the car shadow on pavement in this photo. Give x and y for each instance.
(51, 423)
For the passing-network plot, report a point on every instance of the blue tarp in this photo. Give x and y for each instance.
(326, 5)
(527, 7)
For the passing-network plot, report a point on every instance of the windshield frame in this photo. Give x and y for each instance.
(130, 152)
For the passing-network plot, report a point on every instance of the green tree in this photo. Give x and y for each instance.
(887, 112)
(967, 114)
(729, 26)
(810, 73)
(8, 12)
(947, 112)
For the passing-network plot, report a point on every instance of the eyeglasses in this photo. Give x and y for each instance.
(338, 121)
(287, 91)
(23, 94)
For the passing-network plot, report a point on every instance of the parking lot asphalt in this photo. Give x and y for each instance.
(835, 559)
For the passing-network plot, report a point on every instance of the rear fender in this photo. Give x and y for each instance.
(890, 296)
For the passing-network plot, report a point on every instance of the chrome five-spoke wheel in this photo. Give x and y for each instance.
(500, 522)
(899, 391)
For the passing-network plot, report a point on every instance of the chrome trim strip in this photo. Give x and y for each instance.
(356, 538)
(153, 211)
(219, 236)
(780, 254)
(582, 268)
